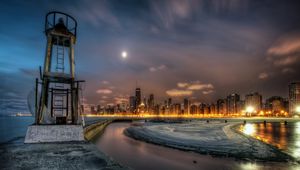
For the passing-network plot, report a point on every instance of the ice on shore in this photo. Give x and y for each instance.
(214, 138)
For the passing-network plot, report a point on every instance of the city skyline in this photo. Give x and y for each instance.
(202, 49)
(252, 104)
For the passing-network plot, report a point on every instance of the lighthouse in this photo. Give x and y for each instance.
(57, 90)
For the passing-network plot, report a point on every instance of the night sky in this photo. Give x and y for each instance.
(204, 49)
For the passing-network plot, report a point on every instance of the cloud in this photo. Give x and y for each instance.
(286, 60)
(102, 101)
(187, 89)
(285, 51)
(119, 100)
(199, 86)
(207, 92)
(286, 46)
(105, 82)
(182, 85)
(97, 13)
(169, 13)
(154, 69)
(179, 93)
(104, 91)
(263, 75)
(287, 70)
(196, 85)
(104, 97)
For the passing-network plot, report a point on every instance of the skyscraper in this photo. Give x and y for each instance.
(138, 96)
(275, 104)
(232, 103)
(98, 108)
(222, 106)
(132, 104)
(253, 100)
(294, 98)
(206, 110)
(177, 108)
(169, 102)
(151, 103)
(93, 110)
(194, 109)
(212, 109)
(186, 106)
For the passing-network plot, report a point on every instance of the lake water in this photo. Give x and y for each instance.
(12, 128)
(144, 156)
(284, 136)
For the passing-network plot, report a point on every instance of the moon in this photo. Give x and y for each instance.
(124, 54)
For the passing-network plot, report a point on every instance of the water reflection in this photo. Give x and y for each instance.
(284, 136)
(248, 129)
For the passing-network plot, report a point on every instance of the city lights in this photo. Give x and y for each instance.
(250, 109)
(298, 109)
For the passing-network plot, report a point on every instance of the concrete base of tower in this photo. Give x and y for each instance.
(54, 133)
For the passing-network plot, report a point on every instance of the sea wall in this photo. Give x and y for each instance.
(54, 133)
(94, 130)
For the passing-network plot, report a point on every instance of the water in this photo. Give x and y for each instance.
(286, 137)
(144, 156)
(13, 127)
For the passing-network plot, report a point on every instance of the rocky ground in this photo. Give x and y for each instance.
(16, 155)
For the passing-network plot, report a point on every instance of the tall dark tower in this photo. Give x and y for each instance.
(59, 99)
(138, 97)
(294, 98)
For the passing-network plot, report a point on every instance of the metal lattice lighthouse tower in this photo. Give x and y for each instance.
(57, 93)
(60, 91)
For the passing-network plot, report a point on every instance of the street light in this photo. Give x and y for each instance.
(250, 110)
(298, 109)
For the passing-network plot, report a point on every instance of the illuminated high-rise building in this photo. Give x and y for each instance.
(93, 110)
(212, 109)
(186, 106)
(138, 96)
(98, 108)
(222, 107)
(169, 102)
(253, 100)
(177, 108)
(194, 109)
(157, 109)
(201, 108)
(232, 103)
(294, 98)
(275, 105)
(206, 110)
(240, 106)
(151, 103)
(132, 104)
